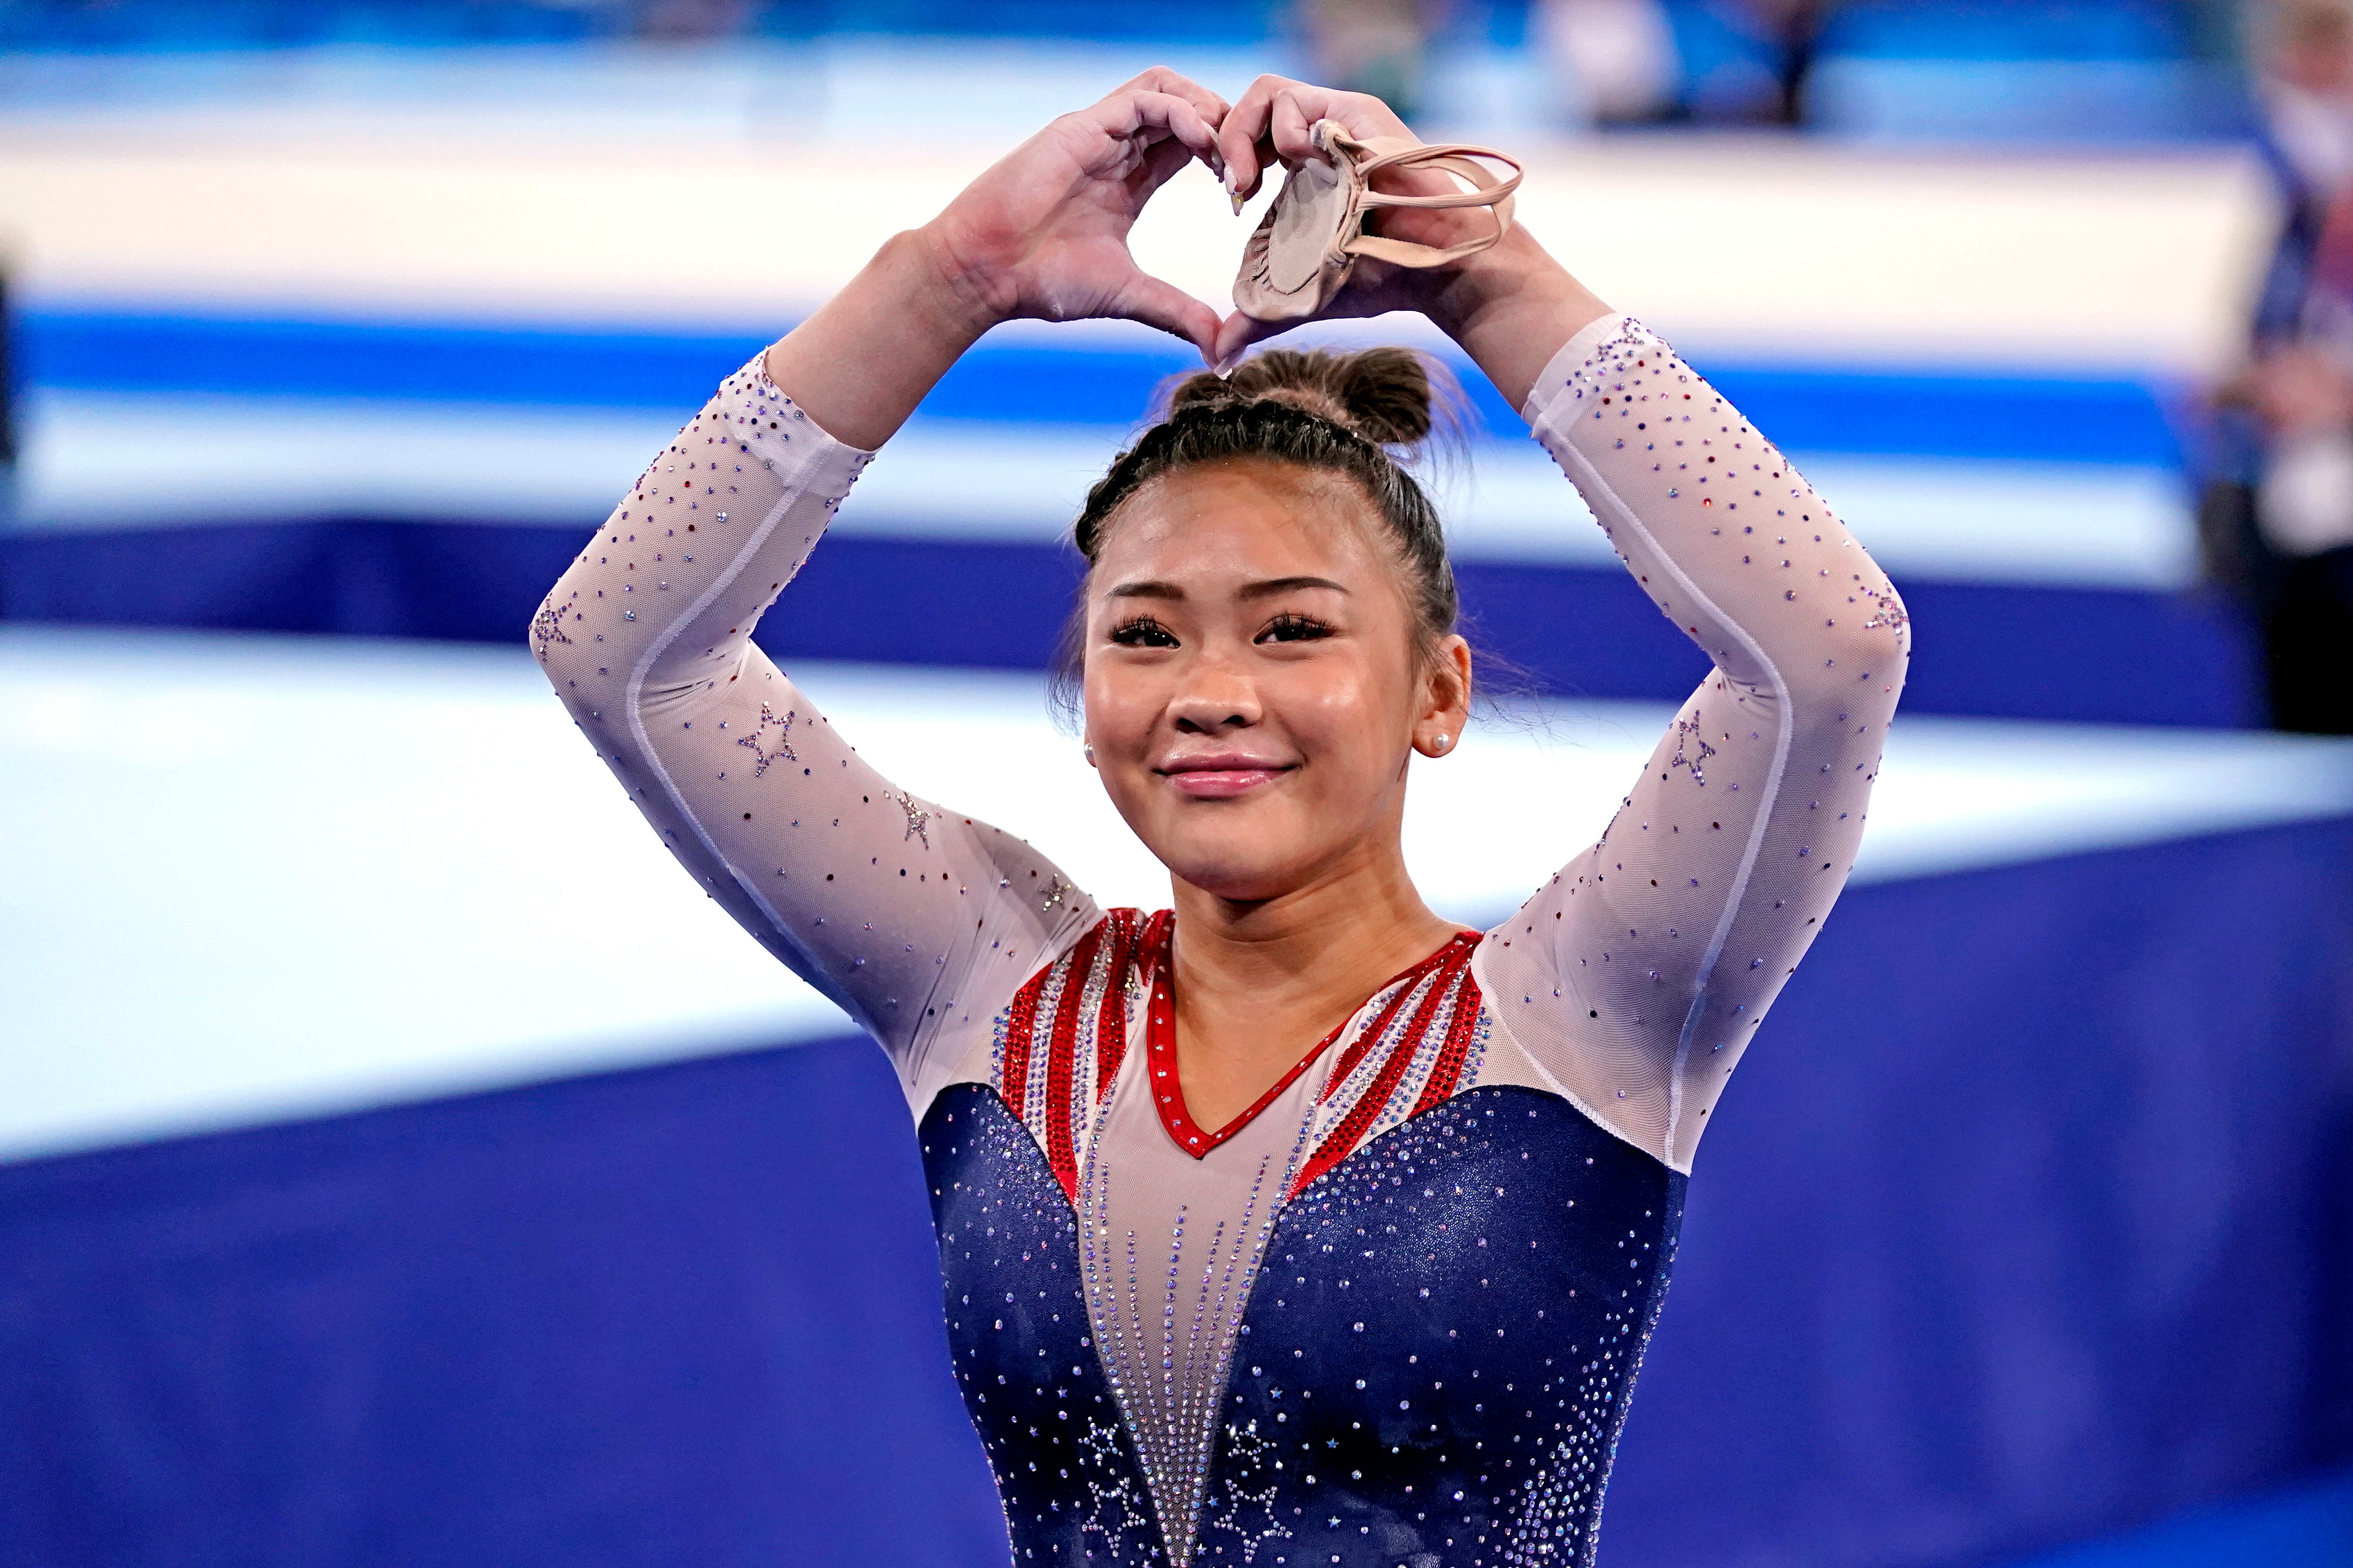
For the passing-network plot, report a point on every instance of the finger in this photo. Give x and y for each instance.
(1161, 79)
(1157, 303)
(1161, 164)
(1289, 126)
(1272, 118)
(1364, 295)
(1239, 133)
(1236, 333)
(1127, 114)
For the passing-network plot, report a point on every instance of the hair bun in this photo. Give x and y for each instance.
(1389, 395)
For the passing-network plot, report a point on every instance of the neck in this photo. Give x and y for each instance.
(1258, 983)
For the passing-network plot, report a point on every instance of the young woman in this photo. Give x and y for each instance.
(1295, 1225)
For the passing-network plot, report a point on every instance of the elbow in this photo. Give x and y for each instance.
(545, 635)
(1859, 667)
(557, 637)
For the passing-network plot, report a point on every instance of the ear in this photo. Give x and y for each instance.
(1445, 699)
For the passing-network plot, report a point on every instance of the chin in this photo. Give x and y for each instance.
(1244, 868)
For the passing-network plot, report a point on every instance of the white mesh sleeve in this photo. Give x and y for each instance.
(915, 920)
(1638, 974)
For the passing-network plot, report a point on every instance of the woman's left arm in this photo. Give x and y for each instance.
(1636, 976)
(1640, 972)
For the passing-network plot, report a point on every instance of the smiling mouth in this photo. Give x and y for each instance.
(1220, 779)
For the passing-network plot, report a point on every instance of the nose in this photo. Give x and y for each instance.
(1215, 698)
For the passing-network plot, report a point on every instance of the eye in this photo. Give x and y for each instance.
(1291, 626)
(1142, 631)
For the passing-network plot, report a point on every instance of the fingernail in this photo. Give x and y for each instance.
(1235, 197)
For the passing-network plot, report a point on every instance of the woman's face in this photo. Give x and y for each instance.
(1251, 689)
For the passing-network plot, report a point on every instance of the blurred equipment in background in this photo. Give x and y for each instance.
(2276, 519)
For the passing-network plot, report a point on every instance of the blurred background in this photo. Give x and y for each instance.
(400, 1163)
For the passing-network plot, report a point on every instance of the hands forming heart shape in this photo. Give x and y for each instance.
(1043, 233)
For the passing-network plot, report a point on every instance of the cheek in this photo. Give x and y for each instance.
(1350, 712)
(1121, 704)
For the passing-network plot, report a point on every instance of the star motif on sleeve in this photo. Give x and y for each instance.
(918, 819)
(782, 751)
(547, 628)
(1688, 729)
(1056, 891)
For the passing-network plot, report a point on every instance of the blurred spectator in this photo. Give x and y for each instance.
(2277, 519)
(1615, 59)
(691, 21)
(1379, 46)
(2304, 54)
(1739, 62)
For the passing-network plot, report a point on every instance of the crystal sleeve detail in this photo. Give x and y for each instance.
(1638, 974)
(919, 923)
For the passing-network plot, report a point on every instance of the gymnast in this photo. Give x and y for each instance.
(1293, 1224)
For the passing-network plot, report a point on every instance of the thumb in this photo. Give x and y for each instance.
(1237, 332)
(1157, 303)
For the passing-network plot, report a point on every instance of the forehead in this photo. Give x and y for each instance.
(1244, 518)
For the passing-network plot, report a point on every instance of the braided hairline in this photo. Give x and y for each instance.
(1150, 456)
(1432, 594)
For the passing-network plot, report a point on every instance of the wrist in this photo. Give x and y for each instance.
(1514, 279)
(1510, 307)
(953, 295)
(869, 355)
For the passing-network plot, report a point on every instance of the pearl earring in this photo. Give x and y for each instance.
(1444, 740)
(1088, 748)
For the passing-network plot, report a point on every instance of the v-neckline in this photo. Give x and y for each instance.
(1167, 1088)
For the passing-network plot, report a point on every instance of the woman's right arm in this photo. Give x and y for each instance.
(913, 918)
(906, 916)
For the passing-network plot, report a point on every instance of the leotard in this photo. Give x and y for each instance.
(1392, 1313)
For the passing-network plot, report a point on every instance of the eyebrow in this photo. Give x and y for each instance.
(1267, 589)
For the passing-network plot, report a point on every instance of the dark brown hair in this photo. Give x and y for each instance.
(1365, 414)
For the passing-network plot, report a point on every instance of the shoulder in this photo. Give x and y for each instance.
(1066, 1024)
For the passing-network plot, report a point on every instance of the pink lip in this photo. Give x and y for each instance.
(1221, 776)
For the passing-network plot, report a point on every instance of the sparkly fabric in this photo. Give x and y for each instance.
(918, 921)
(1174, 1221)
(1568, 1059)
(1017, 1333)
(1433, 1367)
(1061, 1040)
(1636, 976)
(1440, 1348)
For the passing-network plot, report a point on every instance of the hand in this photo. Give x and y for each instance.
(1271, 124)
(1042, 235)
